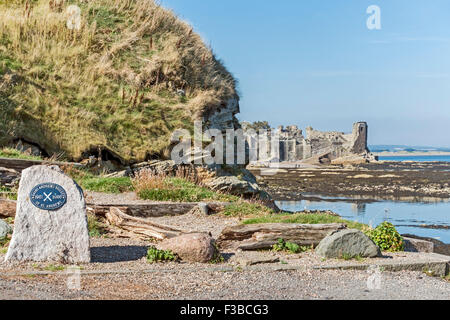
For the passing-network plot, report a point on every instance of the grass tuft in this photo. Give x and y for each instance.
(308, 218)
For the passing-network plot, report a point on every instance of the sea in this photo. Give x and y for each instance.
(440, 158)
(423, 217)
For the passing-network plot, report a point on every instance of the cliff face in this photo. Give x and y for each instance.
(119, 85)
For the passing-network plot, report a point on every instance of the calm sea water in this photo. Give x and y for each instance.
(406, 216)
(416, 158)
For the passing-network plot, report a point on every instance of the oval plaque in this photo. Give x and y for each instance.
(48, 196)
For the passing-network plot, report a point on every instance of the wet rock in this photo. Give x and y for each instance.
(192, 247)
(350, 242)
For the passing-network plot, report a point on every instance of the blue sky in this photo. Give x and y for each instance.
(316, 63)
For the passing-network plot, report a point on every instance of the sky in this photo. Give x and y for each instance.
(316, 63)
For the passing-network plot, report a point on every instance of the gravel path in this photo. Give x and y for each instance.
(120, 271)
(252, 285)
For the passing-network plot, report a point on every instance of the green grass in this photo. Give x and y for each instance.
(95, 228)
(181, 190)
(310, 218)
(246, 209)
(111, 84)
(107, 185)
(54, 268)
(16, 154)
(8, 193)
(346, 256)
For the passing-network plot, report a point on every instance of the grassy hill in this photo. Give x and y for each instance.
(115, 83)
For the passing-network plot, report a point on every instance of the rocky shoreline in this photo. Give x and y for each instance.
(391, 180)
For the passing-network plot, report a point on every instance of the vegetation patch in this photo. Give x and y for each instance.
(347, 256)
(8, 193)
(97, 183)
(16, 154)
(125, 81)
(386, 237)
(96, 228)
(242, 208)
(155, 255)
(306, 218)
(159, 187)
(283, 245)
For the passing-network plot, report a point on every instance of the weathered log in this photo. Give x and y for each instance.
(143, 228)
(7, 208)
(150, 210)
(9, 177)
(263, 236)
(21, 164)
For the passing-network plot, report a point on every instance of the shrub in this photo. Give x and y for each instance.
(155, 255)
(286, 246)
(386, 237)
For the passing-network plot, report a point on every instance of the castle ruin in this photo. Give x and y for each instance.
(318, 146)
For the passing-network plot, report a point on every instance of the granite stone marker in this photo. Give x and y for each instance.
(51, 221)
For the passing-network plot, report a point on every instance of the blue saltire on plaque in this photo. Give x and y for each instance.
(48, 196)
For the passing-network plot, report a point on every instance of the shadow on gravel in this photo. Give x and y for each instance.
(117, 254)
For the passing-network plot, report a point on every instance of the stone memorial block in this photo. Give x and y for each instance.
(51, 221)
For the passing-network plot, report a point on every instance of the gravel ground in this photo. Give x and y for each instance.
(251, 285)
(120, 271)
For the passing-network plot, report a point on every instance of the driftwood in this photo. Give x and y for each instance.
(7, 208)
(143, 228)
(263, 236)
(21, 164)
(144, 210)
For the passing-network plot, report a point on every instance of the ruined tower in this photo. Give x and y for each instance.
(359, 138)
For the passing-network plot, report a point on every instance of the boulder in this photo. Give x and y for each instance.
(9, 177)
(349, 242)
(5, 229)
(417, 245)
(192, 247)
(51, 221)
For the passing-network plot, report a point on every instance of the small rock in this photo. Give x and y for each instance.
(349, 242)
(5, 229)
(192, 247)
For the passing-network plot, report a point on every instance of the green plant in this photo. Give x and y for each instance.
(347, 256)
(155, 255)
(54, 268)
(95, 228)
(386, 237)
(283, 245)
(218, 257)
